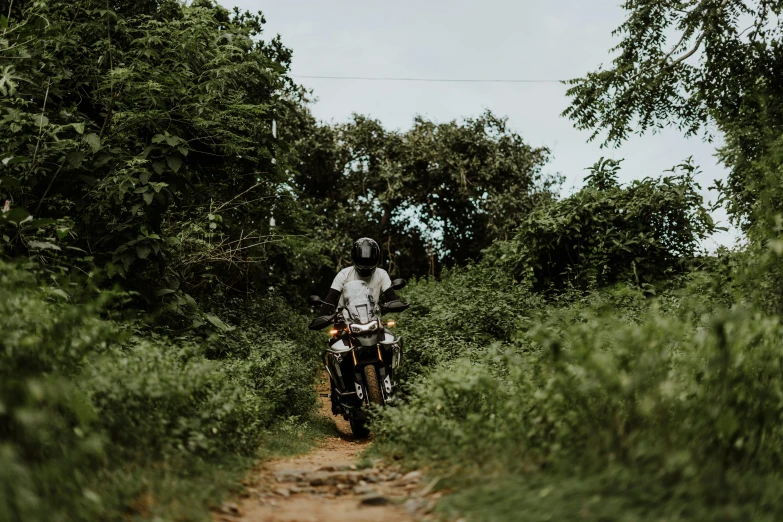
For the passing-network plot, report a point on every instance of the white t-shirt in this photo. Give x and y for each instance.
(378, 282)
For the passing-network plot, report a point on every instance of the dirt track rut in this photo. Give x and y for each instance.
(327, 485)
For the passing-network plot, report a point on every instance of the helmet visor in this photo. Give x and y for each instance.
(366, 255)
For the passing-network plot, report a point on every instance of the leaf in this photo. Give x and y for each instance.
(75, 158)
(3, 21)
(146, 152)
(17, 215)
(191, 302)
(164, 291)
(172, 141)
(158, 167)
(93, 141)
(174, 162)
(13, 160)
(102, 160)
(182, 150)
(127, 261)
(8, 181)
(78, 127)
(212, 318)
(158, 138)
(727, 424)
(143, 251)
(89, 180)
(145, 177)
(42, 245)
(148, 198)
(59, 292)
(40, 120)
(38, 223)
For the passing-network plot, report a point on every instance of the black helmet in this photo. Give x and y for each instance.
(366, 254)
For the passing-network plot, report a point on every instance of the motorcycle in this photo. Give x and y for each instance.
(362, 354)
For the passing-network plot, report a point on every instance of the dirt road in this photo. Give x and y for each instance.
(328, 485)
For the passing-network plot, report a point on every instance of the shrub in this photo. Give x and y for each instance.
(606, 233)
(680, 410)
(468, 309)
(82, 398)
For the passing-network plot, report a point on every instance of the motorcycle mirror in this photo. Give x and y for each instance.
(314, 300)
(319, 323)
(399, 284)
(394, 306)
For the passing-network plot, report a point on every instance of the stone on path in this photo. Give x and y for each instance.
(413, 476)
(374, 499)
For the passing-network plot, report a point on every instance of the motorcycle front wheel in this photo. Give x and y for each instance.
(359, 429)
(358, 426)
(373, 385)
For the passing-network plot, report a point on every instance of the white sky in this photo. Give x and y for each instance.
(478, 39)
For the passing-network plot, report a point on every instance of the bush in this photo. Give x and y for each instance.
(606, 233)
(468, 309)
(672, 401)
(86, 402)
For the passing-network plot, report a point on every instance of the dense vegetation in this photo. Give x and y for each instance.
(101, 416)
(597, 366)
(168, 201)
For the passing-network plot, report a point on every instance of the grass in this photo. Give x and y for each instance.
(609, 496)
(185, 489)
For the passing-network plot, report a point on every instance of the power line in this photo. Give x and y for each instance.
(402, 79)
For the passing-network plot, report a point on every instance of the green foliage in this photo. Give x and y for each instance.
(139, 135)
(86, 403)
(138, 149)
(436, 194)
(732, 79)
(606, 233)
(672, 397)
(461, 314)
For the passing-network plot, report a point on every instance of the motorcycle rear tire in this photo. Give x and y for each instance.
(373, 386)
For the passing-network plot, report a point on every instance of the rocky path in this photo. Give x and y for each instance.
(328, 485)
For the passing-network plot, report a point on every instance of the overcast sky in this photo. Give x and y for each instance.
(472, 39)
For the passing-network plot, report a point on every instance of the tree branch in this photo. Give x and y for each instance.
(665, 60)
(698, 41)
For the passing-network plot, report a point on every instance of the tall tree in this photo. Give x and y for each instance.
(436, 194)
(684, 63)
(141, 136)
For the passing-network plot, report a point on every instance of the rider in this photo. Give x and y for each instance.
(366, 254)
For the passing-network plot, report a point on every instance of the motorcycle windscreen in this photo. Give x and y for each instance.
(358, 302)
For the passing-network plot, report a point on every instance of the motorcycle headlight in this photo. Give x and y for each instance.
(362, 328)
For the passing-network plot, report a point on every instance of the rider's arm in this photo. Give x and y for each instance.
(389, 295)
(331, 298)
